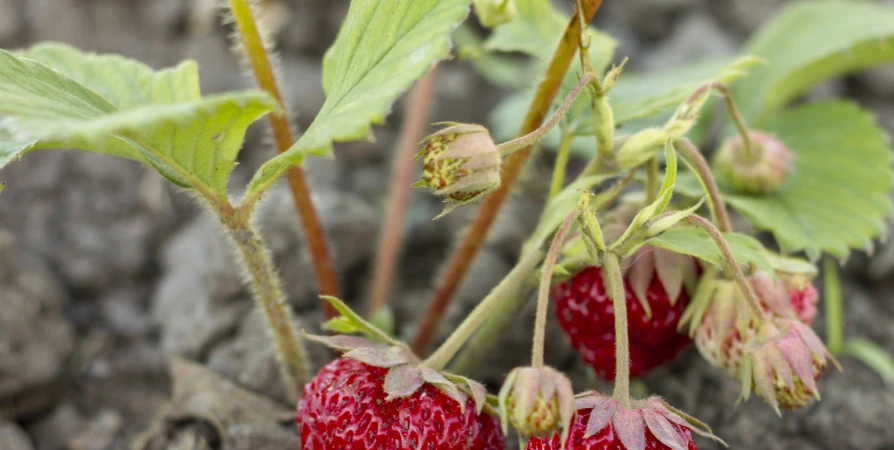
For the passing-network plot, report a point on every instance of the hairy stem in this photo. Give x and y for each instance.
(834, 310)
(562, 155)
(533, 137)
(507, 288)
(736, 117)
(391, 235)
(267, 292)
(611, 272)
(462, 259)
(257, 55)
(729, 260)
(706, 178)
(543, 293)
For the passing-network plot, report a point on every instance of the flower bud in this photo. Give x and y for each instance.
(760, 169)
(492, 13)
(462, 164)
(537, 401)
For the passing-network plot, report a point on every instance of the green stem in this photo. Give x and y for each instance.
(702, 170)
(562, 156)
(651, 180)
(507, 288)
(834, 309)
(543, 293)
(268, 294)
(732, 266)
(611, 273)
(737, 118)
(256, 53)
(534, 136)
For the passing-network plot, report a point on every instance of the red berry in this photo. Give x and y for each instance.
(606, 439)
(586, 315)
(344, 407)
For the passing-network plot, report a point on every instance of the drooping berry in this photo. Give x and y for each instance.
(537, 401)
(461, 164)
(758, 169)
(585, 313)
(603, 424)
(345, 407)
(782, 365)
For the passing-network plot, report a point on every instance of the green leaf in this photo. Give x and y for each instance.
(811, 41)
(875, 357)
(125, 109)
(535, 30)
(2, 185)
(382, 48)
(698, 243)
(837, 196)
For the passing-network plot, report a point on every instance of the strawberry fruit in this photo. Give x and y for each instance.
(585, 313)
(345, 407)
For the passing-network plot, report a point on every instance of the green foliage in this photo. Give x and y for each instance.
(698, 243)
(811, 41)
(875, 357)
(560, 207)
(382, 48)
(837, 196)
(56, 96)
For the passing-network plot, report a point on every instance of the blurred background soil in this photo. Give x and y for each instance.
(106, 271)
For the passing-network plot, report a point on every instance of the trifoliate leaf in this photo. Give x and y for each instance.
(811, 41)
(698, 243)
(837, 196)
(124, 109)
(382, 48)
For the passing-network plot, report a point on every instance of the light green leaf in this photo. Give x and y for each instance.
(837, 196)
(382, 48)
(874, 356)
(811, 41)
(698, 243)
(535, 30)
(125, 110)
(2, 185)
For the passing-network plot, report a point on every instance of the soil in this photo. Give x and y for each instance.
(124, 321)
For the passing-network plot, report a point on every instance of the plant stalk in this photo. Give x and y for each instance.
(731, 265)
(257, 55)
(543, 293)
(736, 117)
(706, 178)
(510, 285)
(267, 292)
(391, 235)
(490, 206)
(833, 307)
(561, 163)
(611, 271)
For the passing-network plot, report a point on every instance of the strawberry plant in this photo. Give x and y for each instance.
(639, 256)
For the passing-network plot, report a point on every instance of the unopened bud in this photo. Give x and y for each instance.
(492, 13)
(462, 164)
(760, 168)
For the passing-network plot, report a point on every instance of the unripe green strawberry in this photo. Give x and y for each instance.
(462, 164)
(760, 169)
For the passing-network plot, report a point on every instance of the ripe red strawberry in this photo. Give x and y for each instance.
(585, 313)
(602, 424)
(345, 407)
